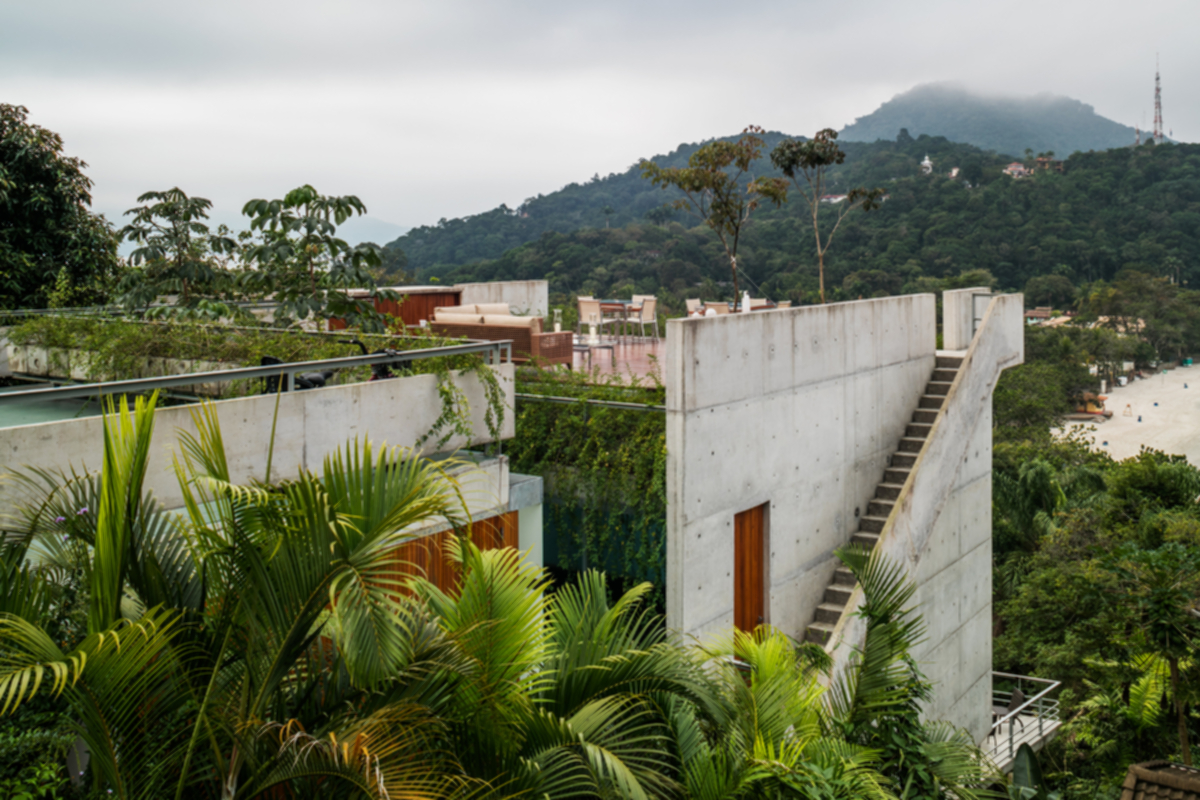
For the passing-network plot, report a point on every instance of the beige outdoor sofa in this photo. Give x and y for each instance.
(492, 321)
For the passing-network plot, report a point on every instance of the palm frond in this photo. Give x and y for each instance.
(957, 764)
(120, 688)
(126, 452)
(392, 753)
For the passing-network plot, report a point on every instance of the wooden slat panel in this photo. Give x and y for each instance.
(415, 307)
(749, 569)
(428, 556)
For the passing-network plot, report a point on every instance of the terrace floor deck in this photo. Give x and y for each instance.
(1002, 752)
(633, 359)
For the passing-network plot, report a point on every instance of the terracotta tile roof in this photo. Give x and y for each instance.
(1161, 780)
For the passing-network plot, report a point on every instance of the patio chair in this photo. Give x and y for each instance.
(646, 314)
(1016, 701)
(784, 304)
(587, 307)
(694, 304)
(720, 308)
(759, 302)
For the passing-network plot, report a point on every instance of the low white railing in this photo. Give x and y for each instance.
(1039, 708)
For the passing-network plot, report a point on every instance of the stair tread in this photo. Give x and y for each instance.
(832, 606)
(912, 438)
(821, 626)
(892, 486)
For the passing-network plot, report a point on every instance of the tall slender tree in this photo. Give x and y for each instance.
(809, 160)
(719, 190)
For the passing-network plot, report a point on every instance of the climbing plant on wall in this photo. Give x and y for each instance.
(115, 349)
(604, 470)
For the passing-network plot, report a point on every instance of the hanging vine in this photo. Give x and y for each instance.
(604, 471)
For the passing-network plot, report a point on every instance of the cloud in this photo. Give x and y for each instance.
(440, 109)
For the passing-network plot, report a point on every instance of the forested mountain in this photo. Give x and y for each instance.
(1127, 208)
(628, 198)
(1004, 124)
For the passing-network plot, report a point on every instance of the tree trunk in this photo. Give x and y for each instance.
(737, 296)
(821, 272)
(1184, 746)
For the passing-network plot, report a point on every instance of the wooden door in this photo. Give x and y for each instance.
(750, 568)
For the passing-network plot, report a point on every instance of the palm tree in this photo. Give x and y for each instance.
(876, 702)
(265, 638)
(268, 638)
(265, 642)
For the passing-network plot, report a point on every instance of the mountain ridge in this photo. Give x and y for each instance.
(1006, 124)
(1037, 123)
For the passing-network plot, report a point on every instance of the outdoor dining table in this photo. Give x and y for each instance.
(618, 308)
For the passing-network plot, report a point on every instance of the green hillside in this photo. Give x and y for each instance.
(631, 199)
(1002, 124)
(575, 206)
(1128, 208)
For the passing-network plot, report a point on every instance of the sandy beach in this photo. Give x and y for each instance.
(1168, 407)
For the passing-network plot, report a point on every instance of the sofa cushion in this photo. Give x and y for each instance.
(456, 319)
(493, 308)
(455, 310)
(505, 321)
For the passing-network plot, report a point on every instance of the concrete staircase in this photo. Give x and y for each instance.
(837, 594)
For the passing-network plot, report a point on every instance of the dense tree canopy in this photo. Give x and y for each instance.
(52, 248)
(1131, 208)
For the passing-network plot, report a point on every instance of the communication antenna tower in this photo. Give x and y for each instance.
(1158, 126)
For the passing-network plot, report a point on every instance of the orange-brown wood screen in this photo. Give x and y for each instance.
(749, 568)
(428, 555)
(413, 309)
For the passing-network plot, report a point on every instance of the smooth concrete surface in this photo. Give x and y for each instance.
(524, 298)
(529, 534)
(311, 424)
(958, 316)
(941, 531)
(799, 408)
(524, 491)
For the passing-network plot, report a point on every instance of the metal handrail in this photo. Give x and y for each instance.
(1046, 708)
(547, 398)
(497, 351)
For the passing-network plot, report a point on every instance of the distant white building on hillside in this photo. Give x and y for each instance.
(1016, 170)
(927, 165)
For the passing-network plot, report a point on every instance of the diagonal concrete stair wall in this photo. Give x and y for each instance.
(940, 529)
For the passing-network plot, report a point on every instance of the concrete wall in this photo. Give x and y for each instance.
(941, 531)
(310, 425)
(799, 408)
(958, 317)
(525, 298)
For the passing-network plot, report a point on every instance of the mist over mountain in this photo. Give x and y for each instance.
(1006, 125)
(944, 121)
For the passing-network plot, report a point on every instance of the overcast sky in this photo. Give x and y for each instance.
(442, 109)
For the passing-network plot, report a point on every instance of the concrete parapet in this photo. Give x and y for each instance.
(524, 298)
(958, 316)
(311, 424)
